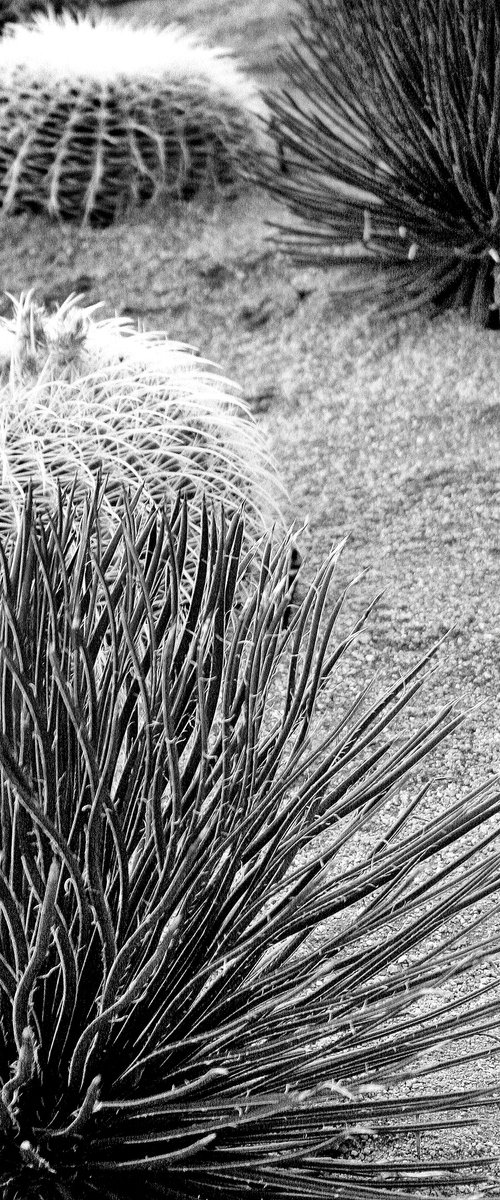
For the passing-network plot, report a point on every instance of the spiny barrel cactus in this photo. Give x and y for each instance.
(98, 117)
(390, 147)
(169, 1027)
(81, 396)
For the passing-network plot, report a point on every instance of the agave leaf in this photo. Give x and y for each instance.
(387, 131)
(222, 940)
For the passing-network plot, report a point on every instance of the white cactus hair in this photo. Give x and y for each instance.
(82, 397)
(97, 117)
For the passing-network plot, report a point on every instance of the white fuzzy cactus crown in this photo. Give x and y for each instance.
(101, 50)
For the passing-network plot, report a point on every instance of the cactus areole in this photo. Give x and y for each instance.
(97, 118)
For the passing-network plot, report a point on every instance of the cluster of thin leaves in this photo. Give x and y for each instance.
(166, 1023)
(388, 130)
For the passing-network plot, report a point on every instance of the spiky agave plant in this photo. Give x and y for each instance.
(98, 117)
(167, 1024)
(389, 134)
(81, 396)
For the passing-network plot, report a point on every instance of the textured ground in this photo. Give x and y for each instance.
(391, 435)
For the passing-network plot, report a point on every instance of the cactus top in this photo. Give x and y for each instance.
(79, 396)
(100, 50)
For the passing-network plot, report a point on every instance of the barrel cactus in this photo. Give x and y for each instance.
(169, 1026)
(81, 396)
(97, 117)
(388, 129)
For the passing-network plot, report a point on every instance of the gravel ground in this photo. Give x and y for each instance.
(390, 434)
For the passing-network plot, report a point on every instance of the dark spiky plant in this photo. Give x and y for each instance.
(170, 840)
(389, 131)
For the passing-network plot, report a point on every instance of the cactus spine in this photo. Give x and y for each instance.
(97, 118)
